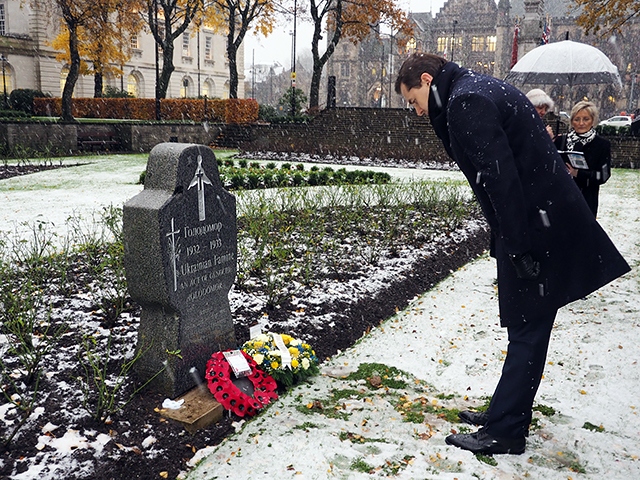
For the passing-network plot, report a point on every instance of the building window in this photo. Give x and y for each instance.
(491, 43)
(186, 45)
(208, 48)
(132, 86)
(3, 20)
(184, 90)
(477, 44)
(412, 45)
(134, 42)
(345, 70)
(208, 89)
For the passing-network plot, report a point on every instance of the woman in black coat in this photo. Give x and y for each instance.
(596, 150)
(550, 250)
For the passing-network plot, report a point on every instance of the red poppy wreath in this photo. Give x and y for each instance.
(218, 375)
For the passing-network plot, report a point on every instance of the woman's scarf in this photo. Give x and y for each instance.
(574, 138)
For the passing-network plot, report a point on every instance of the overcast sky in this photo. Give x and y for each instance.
(277, 47)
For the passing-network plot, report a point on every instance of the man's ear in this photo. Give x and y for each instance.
(426, 78)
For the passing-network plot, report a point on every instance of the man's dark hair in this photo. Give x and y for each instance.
(416, 65)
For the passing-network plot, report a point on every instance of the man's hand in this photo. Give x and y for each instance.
(526, 267)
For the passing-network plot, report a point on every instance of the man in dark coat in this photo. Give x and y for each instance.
(549, 248)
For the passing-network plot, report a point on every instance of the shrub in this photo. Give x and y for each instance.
(22, 99)
(268, 113)
(113, 92)
(12, 114)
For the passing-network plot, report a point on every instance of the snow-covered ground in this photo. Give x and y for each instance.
(83, 191)
(449, 339)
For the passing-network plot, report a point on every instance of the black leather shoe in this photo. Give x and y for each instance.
(474, 418)
(482, 442)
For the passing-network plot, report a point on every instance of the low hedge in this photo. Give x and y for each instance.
(197, 110)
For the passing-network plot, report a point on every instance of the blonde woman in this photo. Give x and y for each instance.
(596, 150)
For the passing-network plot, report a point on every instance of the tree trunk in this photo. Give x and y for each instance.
(320, 61)
(314, 91)
(233, 68)
(72, 77)
(167, 69)
(97, 82)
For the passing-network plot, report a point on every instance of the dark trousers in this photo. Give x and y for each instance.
(510, 408)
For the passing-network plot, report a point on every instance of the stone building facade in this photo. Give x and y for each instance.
(26, 33)
(478, 34)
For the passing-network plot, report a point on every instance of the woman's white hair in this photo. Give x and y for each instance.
(539, 98)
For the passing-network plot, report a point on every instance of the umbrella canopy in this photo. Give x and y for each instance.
(564, 63)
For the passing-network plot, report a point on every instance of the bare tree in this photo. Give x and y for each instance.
(235, 17)
(167, 20)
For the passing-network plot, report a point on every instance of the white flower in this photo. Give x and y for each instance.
(259, 358)
(295, 342)
(305, 363)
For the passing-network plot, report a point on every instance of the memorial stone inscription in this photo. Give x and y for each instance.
(180, 238)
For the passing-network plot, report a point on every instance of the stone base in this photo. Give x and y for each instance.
(199, 410)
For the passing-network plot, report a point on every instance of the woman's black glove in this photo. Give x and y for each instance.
(526, 267)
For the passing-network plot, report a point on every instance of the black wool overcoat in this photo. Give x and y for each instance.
(597, 154)
(529, 199)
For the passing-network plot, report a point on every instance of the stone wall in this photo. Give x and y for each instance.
(115, 137)
(372, 132)
(38, 136)
(136, 137)
(361, 132)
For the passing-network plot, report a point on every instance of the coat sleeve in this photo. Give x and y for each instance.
(599, 160)
(480, 144)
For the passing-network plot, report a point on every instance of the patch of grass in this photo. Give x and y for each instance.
(306, 426)
(390, 377)
(414, 410)
(347, 393)
(393, 468)
(576, 467)
(545, 410)
(359, 465)
(357, 438)
(535, 425)
(488, 459)
(592, 427)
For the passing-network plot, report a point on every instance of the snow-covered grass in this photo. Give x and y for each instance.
(451, 347)
(448, 344)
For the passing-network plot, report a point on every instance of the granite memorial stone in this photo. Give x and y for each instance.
(180, 239)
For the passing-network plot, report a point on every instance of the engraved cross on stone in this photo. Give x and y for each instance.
(174, 248)
(199, 179)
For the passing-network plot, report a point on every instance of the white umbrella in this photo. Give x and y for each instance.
(564, 63)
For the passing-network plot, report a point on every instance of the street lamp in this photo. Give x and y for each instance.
(4, 80)
(155, 14)
(293, 62)
(453, 39)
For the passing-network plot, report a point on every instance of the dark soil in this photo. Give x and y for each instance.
(8, 171)
(125, 458)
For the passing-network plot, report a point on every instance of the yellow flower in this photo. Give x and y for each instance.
(275, 365)
(286, 338)
(294, 363)
(294, 351)
(257, 344)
